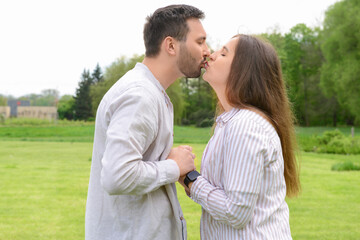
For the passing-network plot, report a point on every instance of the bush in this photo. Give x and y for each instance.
(205, 123)
(337, 143)
(330, 135)
(345, 166)
(185, 122)
(200, 115)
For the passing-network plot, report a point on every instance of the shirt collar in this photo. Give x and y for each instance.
(152, 78)
(226, 116)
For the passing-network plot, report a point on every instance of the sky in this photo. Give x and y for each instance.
(46, 44)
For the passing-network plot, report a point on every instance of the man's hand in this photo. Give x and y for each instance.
(184, 158)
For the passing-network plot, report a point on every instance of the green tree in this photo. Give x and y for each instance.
(277, 40)
(200, 101)
(48, 97)
(341, 48)
(175, 94)
(83, 109)
(97, 75)
(66, 107)
(301, 63)
(3, 100)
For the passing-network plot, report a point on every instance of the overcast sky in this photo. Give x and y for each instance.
(46, 44)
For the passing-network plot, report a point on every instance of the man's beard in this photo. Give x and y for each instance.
(187, 63)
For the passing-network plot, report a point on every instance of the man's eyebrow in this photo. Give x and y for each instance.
(201, 39)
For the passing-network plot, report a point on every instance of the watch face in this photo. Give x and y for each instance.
(193, 175)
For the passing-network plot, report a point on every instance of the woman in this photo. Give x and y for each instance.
(249, 165)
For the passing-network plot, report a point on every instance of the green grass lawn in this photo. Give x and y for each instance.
(44, 187)
(85, 133)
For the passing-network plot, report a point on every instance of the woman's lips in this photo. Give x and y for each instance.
(205, 64)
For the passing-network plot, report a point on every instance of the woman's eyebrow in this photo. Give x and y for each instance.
(225, 48)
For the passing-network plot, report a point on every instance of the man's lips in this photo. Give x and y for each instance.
(205, 64)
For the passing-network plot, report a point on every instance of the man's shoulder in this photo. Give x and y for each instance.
(133, 83)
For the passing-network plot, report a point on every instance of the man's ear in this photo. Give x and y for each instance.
(169, 45)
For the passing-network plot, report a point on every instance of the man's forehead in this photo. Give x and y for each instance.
(196, 28)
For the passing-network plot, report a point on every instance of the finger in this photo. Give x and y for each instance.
(186, 147)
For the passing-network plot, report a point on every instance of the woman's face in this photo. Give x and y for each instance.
(218, 67)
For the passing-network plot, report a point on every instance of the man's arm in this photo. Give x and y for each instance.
(132, 129)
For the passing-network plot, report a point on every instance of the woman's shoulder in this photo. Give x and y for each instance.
(248, 117)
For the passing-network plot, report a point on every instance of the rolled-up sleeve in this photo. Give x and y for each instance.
(241, 175)
(133, 126)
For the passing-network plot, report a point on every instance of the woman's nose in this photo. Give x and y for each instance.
(213, 56)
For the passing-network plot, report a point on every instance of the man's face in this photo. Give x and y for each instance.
(194, 50)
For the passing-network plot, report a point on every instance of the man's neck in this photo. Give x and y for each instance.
(163, 71)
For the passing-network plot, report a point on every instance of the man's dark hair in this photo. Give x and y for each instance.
(168, 21)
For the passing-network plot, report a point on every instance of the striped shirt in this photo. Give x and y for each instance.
(242, 186)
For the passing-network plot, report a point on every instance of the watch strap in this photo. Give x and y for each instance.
(191, 177)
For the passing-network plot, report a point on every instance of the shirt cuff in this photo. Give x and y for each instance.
(198, 189)
(169, 171)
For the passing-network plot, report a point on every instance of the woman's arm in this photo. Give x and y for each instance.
(241, 176)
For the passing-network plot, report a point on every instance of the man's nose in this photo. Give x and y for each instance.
(206, 51)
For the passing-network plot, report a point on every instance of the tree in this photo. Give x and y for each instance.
(83, 109)
(277, 40)
(200, 101)
(301, 64)
(66, 107)
(3, 100)
(340, 45)
(175, 94)
(48, 97)
(97, 75)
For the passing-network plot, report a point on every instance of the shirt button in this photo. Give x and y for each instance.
(181, 218)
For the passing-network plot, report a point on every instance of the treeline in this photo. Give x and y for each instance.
(321, 68)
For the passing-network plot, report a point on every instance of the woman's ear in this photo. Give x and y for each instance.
(169, 45)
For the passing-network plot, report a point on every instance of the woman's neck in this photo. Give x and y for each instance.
(223, 100)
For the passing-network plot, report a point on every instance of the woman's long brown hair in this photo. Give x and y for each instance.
(255, 81)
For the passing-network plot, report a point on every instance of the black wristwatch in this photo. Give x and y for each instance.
(191, 177)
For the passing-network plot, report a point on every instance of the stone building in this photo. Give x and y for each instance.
(4, 112)
(22, 109)
(14, 104)
(41, 112)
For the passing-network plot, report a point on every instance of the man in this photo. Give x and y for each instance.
(131, 193)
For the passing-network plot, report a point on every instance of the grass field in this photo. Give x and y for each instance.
(44, 180)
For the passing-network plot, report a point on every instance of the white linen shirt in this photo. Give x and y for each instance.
(242, 186)
(131, 192)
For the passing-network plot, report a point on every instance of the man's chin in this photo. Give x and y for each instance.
(194, 75)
